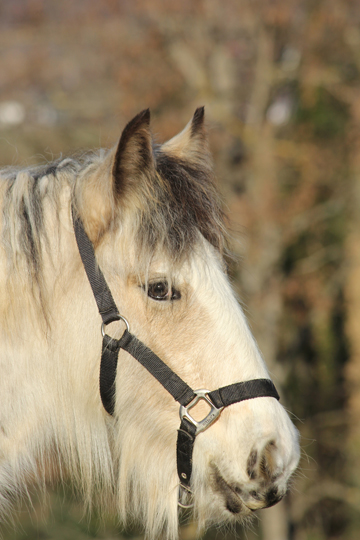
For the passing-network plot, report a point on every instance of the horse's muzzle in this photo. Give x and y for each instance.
(238, 499)
(262, 489)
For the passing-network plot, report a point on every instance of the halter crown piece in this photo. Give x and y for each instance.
(181, 392)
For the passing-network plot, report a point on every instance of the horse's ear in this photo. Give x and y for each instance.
(129, 164)
(191, 143)
(134, 156)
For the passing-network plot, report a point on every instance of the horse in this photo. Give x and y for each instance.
(150, 218)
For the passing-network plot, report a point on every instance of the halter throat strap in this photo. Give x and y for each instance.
(179, 389)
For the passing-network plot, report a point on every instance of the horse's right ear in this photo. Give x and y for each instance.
(191, 143)
(134, 156)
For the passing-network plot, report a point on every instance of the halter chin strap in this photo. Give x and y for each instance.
(180, 391)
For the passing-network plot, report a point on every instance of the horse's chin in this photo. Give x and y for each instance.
(220, 516)
(222, 510)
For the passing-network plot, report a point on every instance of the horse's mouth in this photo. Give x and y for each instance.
(233, 502)
(239, 500)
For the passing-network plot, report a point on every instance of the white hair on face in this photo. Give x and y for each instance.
(163, 225)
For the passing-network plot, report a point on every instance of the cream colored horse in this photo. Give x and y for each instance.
(153, 217)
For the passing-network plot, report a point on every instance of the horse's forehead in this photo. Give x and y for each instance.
(160, 266)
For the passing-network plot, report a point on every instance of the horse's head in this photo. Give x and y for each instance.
(154, 218)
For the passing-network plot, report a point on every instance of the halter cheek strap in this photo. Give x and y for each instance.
(179, 389)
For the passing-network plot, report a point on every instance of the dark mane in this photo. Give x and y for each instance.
(23, 201)
(24, 233)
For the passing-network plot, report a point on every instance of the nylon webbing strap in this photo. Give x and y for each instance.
(234, 393)
(104, 300)
(108, 367)
(184, 451)
(107, 309)
(178, 388)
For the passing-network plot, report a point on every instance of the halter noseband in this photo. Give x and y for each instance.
(180, 391)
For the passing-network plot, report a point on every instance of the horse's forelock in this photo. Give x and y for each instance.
(183, 204)
(193, 203)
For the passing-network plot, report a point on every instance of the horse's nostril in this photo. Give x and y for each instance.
(263, 465)
(251, 465)
(267, 464)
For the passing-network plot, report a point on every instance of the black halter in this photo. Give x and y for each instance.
(181, 392)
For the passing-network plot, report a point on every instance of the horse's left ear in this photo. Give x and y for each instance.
(126, 167)
(134, 156)
(191, 143)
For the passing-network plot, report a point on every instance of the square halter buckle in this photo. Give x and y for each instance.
(209, 418)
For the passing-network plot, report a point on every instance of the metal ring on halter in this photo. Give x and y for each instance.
(187, 492)
(209, 419)
(121, 318)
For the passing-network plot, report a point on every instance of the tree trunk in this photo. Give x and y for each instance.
(260, 276)
(352, 293)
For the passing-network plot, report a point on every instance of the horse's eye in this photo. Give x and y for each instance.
(159, 290)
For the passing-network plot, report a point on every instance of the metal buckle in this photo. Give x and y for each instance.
(121, 318)
(209, 419)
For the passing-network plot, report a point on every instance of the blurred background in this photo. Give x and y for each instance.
(280, 80)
